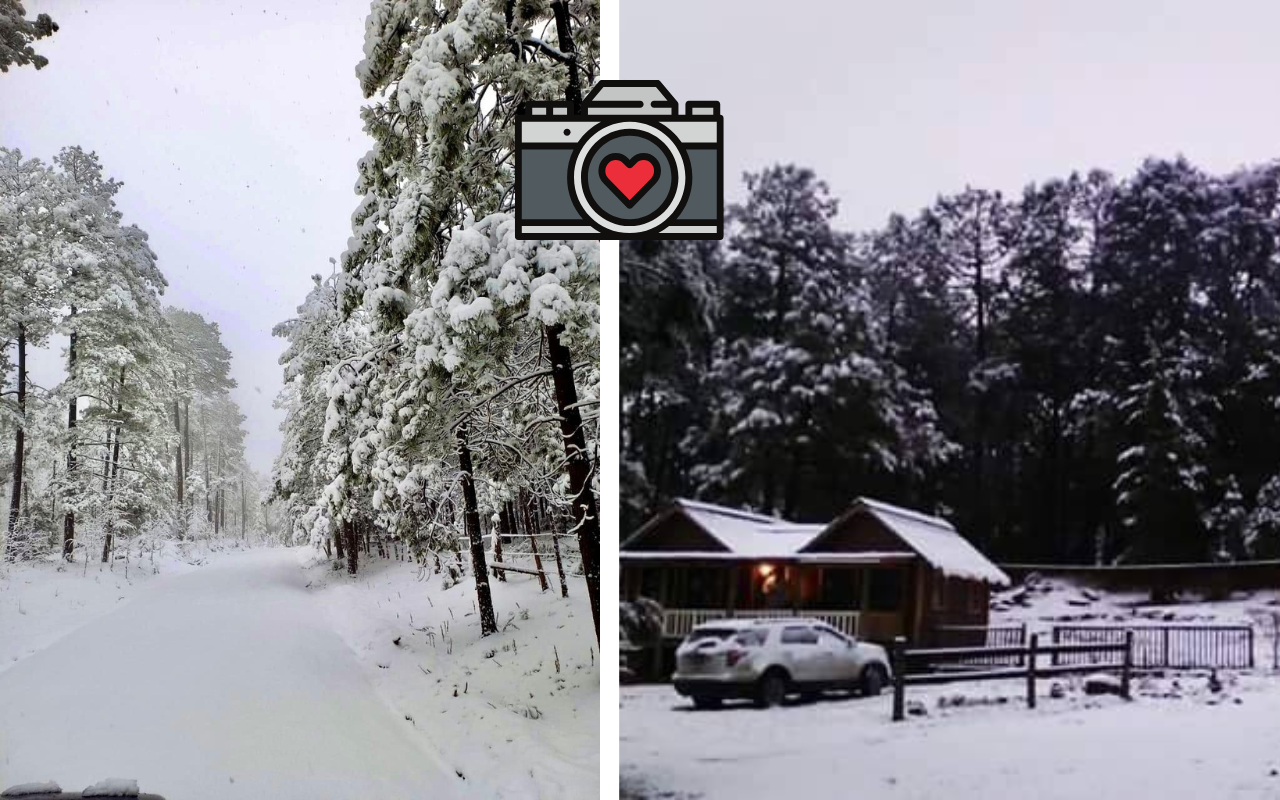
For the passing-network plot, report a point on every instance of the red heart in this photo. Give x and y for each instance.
(629, 179)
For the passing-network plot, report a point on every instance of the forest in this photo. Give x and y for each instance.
(1087, 372)
(140, 443)
(442, 382)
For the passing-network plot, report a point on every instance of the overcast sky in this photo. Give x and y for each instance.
(894, 102)
(235, 128)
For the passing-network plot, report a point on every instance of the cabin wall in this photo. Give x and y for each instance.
(952, 602)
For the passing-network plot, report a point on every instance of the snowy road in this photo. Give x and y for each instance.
(224, 683)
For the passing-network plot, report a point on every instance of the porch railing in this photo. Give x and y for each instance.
(678, 622)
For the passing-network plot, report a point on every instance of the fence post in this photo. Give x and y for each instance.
(899, 661)
(1031, 670)
(1128, 663)
(1056, 636)
(1249, 637)
(1167, 663)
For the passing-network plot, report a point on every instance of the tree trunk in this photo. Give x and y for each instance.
(244, 511)
(471, 519)
(69, 519)
(533, 541)
(586, 515)
(543, 520)
(108, 539)
(204, 448)
(504, 524)
(573, 91)
(217, 495)
(179, 472)
(19, 446)
(186, 434)
(338, 545)
(106, 461)
(585, 512)
(353, 546)
(453, 537)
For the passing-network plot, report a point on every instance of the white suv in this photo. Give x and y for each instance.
(767, 659)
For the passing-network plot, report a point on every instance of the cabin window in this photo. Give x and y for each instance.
(939, 602)
(841, 589)
(884, 592)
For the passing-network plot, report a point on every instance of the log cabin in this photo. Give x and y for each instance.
(875, 572)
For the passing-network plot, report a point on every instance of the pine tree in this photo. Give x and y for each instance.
(802, 352)
(17, 34)
(31, 247)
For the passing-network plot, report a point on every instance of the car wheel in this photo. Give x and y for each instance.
(772, 690)
(873, 680)
(706, 703)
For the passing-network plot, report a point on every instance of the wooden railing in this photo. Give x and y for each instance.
(679, 622)
(1119, 658)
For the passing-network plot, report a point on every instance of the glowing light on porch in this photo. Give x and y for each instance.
(768, 577)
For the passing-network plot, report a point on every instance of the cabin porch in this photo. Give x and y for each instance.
(873, 598)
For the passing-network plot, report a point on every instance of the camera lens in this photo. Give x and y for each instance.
(630, 176)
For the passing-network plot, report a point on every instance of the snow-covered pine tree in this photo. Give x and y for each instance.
(17, 33)
(801, 352)
(1162, 481)
(444, 81)
(31, 282)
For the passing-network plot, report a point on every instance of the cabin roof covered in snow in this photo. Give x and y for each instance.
(745, 533)
(934, 539)
(751, 535)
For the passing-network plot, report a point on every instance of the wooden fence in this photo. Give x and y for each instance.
(1166, 646)
(1030, 669)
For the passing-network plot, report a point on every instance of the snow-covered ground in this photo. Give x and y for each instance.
(498, 709)
(1042, 602)
(1177, 739)
(41, 602)
(977, 740)
(256, 677)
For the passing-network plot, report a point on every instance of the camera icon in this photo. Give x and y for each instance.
(628, 167)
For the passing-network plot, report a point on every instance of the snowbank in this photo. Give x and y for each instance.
(517, 711)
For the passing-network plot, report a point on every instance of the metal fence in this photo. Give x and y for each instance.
(1166, 646)
(972, 636)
